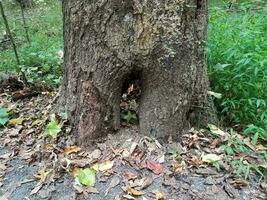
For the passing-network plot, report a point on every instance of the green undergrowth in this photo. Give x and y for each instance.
(237, 60)
(39, 59)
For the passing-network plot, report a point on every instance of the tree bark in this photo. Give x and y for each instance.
(160, 42)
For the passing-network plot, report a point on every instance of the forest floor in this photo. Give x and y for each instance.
(128, 165)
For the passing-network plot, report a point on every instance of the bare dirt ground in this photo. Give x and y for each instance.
(34, 166)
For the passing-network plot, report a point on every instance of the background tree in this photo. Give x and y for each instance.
(158, 42)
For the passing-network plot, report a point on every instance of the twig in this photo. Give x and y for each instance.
(9, 32)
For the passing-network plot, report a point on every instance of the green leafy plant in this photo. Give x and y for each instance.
(129, 117)
(4, 116)
(87, 177)
(243, 168)
(52, 129)
(237, 60)
(257, 132)
(42, 59)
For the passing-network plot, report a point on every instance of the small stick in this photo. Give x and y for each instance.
(24, 22)
(9, 32)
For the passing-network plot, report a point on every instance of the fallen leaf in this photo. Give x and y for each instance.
(210, 158)
(134, 192)
(154, 166)
(159, 196)
(104, 166)
(72, 149)
(177, 167)
(87, 177)
(215, 143)
(91, 190)
(215, 130)
(144, 183)
(96, 154)
(17, 121)
(129, 175)
(52, 129)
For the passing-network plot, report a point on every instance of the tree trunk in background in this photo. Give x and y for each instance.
(159, 42)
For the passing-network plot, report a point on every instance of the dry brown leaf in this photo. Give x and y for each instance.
(134, 192)
(17, 121)
(72, 149)
(154, 166)
(129, 175)
(177, 167)
(90, 190)
(144, 183)
(96, 154)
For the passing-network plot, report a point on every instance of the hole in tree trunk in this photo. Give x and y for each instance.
(131, 92)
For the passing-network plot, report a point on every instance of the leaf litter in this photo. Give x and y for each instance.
(129, 166)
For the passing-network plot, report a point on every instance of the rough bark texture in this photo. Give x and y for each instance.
(158, 41)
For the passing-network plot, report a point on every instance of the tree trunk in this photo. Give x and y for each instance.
(159, 42)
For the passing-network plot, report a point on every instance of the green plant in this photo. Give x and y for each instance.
(243, 168)
(257, 132)
(237, 60)
(4, 116)
(52, 129)
(39, 60)
(129, 117)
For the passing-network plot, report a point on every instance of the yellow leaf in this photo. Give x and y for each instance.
(72, 149)
(134, 192)
(104, 166)
(17, 121)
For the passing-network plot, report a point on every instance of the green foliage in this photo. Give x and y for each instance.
(39, 60)
(243, 168)
(87, 177)
(4, 116)
(235, 147)
(129, 117)
(52, 129)
(258, 133)
(237, 59)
